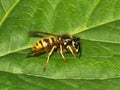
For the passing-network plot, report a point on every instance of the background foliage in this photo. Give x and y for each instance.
(96, 22)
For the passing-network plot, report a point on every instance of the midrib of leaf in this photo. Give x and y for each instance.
(19, 49)
(31, 75)
(8, 12)
(87, 28)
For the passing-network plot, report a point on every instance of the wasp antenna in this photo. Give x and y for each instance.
(39, 34)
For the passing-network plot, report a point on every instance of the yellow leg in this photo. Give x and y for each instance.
(50, 53)
(61, 52)
(68, 47)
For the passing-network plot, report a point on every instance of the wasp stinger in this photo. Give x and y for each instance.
(55, 43)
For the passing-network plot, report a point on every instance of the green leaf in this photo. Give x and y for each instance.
(6, 8)
(96, 22)
(39, 83)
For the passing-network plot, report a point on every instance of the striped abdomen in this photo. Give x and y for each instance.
(44, 44)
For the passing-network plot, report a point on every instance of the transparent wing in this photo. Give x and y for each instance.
(39, 34)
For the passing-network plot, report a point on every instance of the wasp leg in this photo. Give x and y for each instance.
(69, 48)
(61, 52)
(50, 53)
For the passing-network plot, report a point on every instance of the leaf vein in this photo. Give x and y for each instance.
(7, 13)
(88, 28)
(91, 13)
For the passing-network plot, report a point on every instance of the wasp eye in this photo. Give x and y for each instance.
(76, 39)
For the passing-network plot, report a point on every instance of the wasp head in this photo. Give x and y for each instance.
(76, 45)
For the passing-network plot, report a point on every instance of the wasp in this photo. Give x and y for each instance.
(50, 43)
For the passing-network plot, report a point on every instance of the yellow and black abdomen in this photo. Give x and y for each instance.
(44, 45)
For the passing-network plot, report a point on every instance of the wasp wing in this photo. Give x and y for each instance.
(39, 34)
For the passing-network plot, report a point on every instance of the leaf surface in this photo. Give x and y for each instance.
(96, 22)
